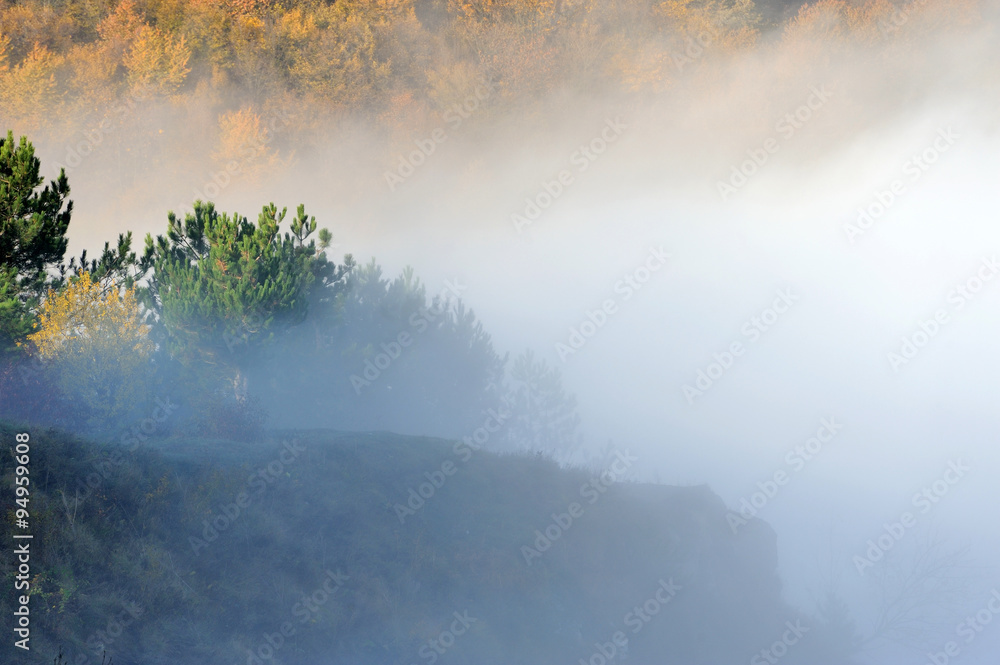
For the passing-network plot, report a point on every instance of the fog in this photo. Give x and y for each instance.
(844, 296)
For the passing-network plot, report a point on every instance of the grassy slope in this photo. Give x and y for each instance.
(331, 508)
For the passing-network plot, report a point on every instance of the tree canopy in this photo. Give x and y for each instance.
(224, 286)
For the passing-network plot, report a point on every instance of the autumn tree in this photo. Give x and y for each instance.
(244, 138)
(96, 342)
(29, 91)
(157, 62)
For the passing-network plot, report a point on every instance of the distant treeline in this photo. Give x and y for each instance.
(75, 66)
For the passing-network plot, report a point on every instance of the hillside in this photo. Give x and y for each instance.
(178, 529)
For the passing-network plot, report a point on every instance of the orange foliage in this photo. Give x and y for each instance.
(28, 24)
(119, 30)
(156, 62)
(28, 91)
(245, 141)
(820, 22)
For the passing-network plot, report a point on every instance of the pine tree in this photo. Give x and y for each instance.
(33, 225)
(544, 415)
(224, 287)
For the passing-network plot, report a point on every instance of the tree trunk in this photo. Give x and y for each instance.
(240, 387)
